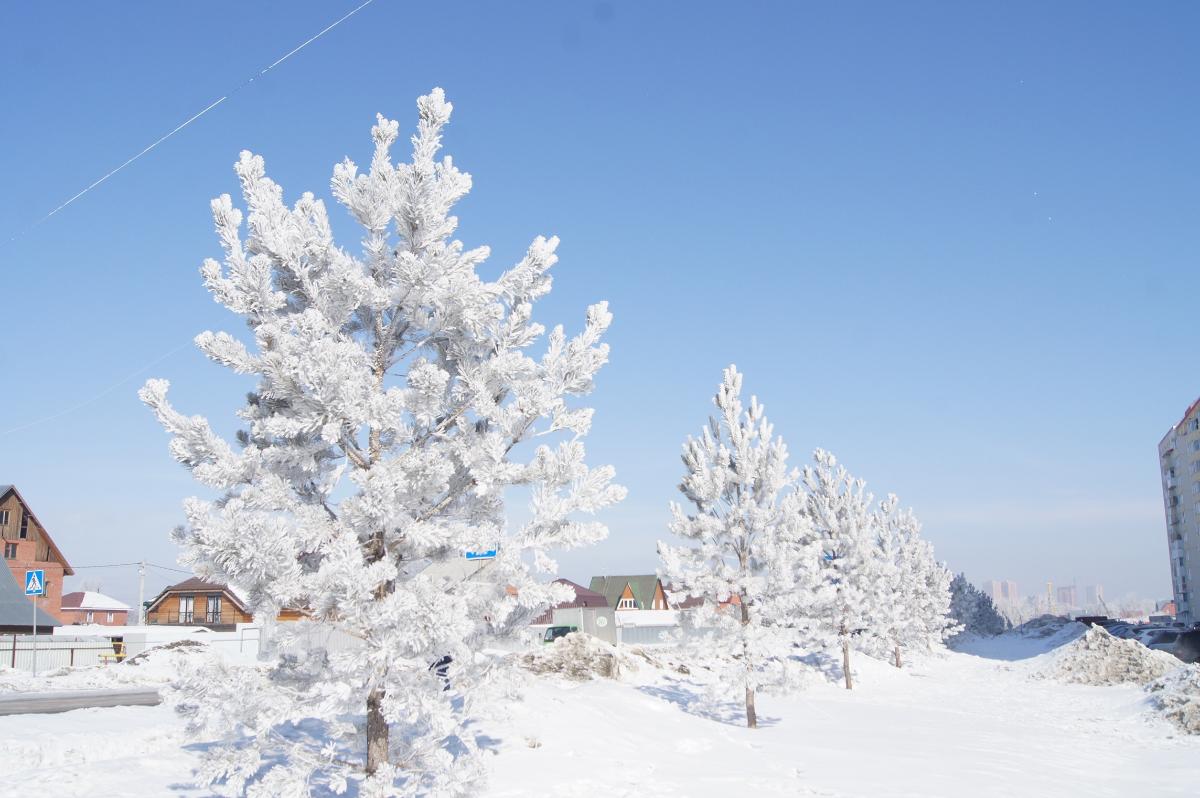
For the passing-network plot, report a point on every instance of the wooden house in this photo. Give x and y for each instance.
(195, 602)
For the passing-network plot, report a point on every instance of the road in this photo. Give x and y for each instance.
(66, 700)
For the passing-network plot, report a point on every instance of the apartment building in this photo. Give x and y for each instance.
(1003, 592)
(1179, 459)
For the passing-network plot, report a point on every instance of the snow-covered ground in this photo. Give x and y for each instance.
(985, 723)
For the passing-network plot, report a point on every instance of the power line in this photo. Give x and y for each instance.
(202, 112)
(110, 565)
(96, 397)
(165, 568)
(128, 564)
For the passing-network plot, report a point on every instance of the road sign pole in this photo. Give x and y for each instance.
(34, 603)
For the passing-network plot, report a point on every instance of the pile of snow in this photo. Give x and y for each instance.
(1045, 627)
(1177, 697)
(154, 667)
(1099, 658)
(579, 657)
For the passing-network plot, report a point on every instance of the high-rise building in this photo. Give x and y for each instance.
(1068, 597)
(1179, 459)
(1002, 592)
(1093, 595)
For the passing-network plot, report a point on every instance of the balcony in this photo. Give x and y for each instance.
(188, 619)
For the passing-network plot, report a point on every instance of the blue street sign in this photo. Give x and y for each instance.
(481, 555)
(35, 583)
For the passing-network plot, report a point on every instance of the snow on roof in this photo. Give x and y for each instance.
(91, 600)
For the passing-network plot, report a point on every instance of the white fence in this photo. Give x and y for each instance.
(18, 651)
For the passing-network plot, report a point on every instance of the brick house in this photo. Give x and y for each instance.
(194, 602)
(28, 546)
(641, 592)
(87, 606)
(583, 598)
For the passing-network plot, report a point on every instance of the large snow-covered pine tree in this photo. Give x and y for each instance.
(396, 392)
(746, 542)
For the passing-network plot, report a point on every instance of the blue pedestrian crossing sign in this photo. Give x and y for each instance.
(35, 583)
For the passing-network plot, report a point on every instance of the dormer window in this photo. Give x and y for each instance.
(627, 604)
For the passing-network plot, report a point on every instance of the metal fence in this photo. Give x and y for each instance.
(18, 651)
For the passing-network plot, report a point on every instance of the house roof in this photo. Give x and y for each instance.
(583, 598)
(198, 585)
(91, 600)
(15, 609)
(642, 585)
(4, 491)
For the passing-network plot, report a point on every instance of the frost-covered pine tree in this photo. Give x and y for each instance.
(746, 540)
(934, 622)
(395, 391)
(839, 510)
(912, 610)
(973, 610)
(893, 593)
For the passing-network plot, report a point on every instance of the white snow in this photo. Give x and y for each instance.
(952, 725)
(1096, 657)
(98, 601)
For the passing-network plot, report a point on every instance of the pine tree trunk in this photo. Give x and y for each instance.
(897, 656)
(846, 664)
(377, 732)
(751, 714)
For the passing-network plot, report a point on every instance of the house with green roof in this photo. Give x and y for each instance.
(638, 592)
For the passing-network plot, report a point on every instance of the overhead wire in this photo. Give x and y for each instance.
(199, 114)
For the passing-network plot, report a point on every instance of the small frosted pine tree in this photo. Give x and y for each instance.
(912, 600)
(395, 391)
(746, 537)
(839, 510)
(973, 610)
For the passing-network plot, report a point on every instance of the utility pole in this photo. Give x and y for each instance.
(142, 593)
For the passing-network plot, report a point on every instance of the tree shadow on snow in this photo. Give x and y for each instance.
(693, 700)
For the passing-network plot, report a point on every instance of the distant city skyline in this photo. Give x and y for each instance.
(937, 239)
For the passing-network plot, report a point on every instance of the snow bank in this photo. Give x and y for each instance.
(579, 657)
(1099, 658)
(1051, 628)
(155, 667)
(1177, 697)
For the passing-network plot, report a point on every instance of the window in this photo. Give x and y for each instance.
(10, 551)
(110, 617)
(627, 604)
(212, 613)
(1194, 424)
(3, 517)
(187, 607)
(24, 526)
(91, 617)
(1196, 445)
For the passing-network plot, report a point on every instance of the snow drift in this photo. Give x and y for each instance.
(579, 657)
(1099, 658)
(1177, 696)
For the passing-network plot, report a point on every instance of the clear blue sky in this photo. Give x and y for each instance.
(954, 244)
